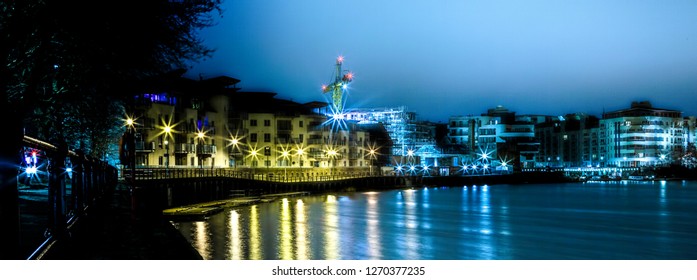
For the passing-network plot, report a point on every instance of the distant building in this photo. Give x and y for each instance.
(498, 136)
(643, 136)
(569, 141)
(636, 137)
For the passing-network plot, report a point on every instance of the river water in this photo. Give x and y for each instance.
(578, 221)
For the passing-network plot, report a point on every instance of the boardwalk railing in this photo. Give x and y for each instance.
(74, 182)
(275, 175)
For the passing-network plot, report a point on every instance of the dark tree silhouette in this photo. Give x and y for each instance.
(67, 66)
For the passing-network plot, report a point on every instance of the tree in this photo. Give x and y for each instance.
(689, 159)
(66, 67)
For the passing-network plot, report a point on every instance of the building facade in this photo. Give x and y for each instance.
(212, 124)
(643, 136)
(497, 136)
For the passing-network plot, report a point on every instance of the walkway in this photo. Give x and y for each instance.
(113, 231)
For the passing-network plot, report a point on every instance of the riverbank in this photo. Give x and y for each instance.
(114, 231)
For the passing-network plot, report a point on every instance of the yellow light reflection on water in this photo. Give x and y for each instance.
(301, 242)
(235, 244)
(285, 242)
(331, 225)
(254, 234)
(201, 240)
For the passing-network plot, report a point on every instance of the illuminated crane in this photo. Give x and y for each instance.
(338, 86)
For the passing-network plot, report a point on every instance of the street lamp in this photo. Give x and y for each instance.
(234, 142)
(168, 134)
(299, 152)
(130, 144)
(371, 154)
(285, 154)
(200, 135)
(254, 156)
(331, 153)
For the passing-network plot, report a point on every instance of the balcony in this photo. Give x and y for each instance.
(145, 147)
(206, 149)
(183, 148)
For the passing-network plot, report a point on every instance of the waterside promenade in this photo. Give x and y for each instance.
(113, 231)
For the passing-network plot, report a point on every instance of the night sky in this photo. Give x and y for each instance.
(455, 57)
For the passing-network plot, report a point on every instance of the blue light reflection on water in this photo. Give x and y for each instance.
(616, 220)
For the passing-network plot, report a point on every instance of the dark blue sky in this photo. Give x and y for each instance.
(457, 57)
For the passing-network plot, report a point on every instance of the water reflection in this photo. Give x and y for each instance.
(285, 238)
(202, 241)
(331, 228)
(410, 243)
(255, 252)
(302, 245)
(573, 221)
(234, 238)
(372, 221)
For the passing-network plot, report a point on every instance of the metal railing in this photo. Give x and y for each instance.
(75, 183)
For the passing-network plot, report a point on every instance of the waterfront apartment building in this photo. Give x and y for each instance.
(635, 137)
(643, 136)
(211, 123)
(499, 134)
(569, 141)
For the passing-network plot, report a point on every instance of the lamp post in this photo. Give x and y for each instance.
(168, 134)
(235, 146)
(285, 155)
(371, 155)
(299, 152)
(130, 144)
(199, 151)
(331, 153)
(253, 153)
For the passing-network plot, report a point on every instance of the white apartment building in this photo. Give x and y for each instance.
(210, 123)
(643, 136)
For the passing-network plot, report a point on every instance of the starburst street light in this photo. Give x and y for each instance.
(484, 154)
(299, 151)
(505, 162)
(372, 154)
(285, 155)
(332, 153)
(167, 133)
(235, 142)
(253, 156)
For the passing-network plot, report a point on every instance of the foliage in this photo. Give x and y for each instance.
(67, 66)
(689, 159)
